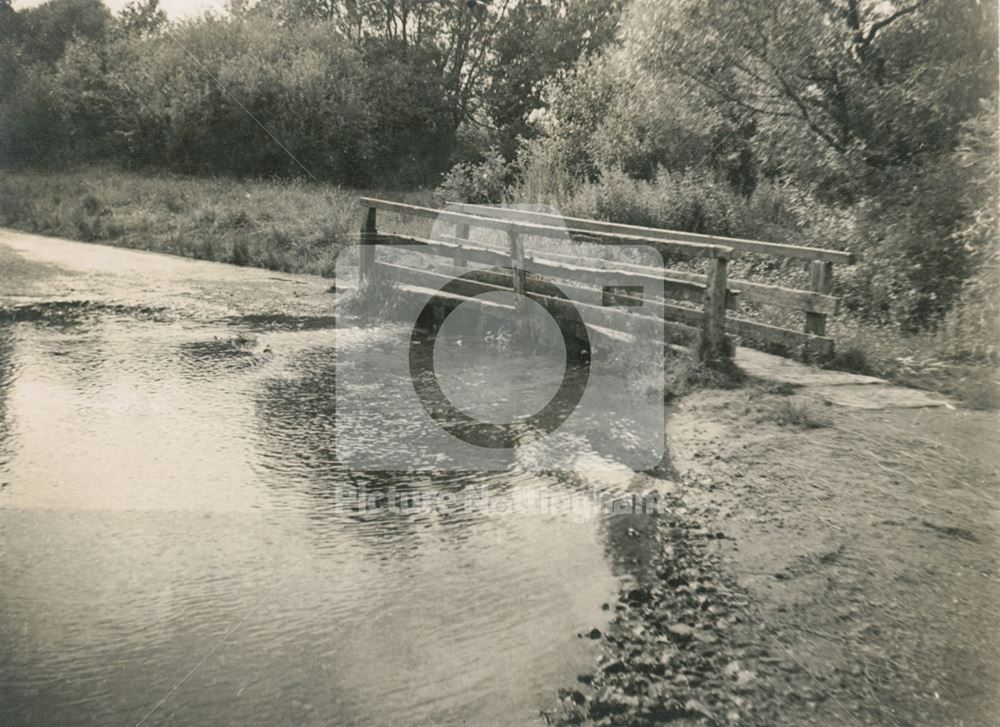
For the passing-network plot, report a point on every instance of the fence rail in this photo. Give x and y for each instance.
(716, 295)
(816, 302)
(597, 226)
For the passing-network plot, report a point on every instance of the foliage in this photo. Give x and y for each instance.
(485, 182)
(874, 84)
(236, 96)
(43, 32)
(141, 17)
(538, 40)
(333, 89)
(607, 114)
(858, 105)
(972, 326)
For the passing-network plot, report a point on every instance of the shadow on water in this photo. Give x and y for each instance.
(74, 312)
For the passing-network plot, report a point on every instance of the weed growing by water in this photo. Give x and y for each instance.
(788, 412)
(380, 300)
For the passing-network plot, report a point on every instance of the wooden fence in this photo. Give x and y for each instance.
(703, 327)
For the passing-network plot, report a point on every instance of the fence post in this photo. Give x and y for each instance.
(366, 250)
(519, 277)
(820, 281)
(517, 261)
(713, 327)
(461, 234)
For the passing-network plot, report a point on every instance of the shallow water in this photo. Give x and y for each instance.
(178, 544)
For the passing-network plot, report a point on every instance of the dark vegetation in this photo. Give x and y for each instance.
(850, 124)
(376, 93)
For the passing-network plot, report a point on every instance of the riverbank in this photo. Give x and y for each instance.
(822, 564)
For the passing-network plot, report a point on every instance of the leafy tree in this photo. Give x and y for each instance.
(447, 39)
(538, 40)
(32, 42)
(10, 36)
(141, 16)
(48, 28)
(9, 19)
(873, 84)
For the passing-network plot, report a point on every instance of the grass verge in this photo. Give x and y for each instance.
(922, 361)
(276, 224)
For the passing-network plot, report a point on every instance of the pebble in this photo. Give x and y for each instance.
(682, 632)
(706, 637)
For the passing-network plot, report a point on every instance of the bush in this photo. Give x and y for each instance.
(485, 182)
(971, 330)
(263, 98)
(544, 174)
(701, 202)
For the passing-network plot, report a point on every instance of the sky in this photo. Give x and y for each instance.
(173, 8)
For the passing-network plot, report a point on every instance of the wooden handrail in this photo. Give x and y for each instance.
(755, 246)
(817, 301)
(776, 295)
(677, 247)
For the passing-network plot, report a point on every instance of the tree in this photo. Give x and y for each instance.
(872, 82)
(450, 39)
(538, 40)
(141, 16)
(47, 28)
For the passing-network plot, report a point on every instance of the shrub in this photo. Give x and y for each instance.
(91, 205)
(544, 173)
(979, 388)
(971, 329)
(485, 182)
(333, 108)
(16, 211)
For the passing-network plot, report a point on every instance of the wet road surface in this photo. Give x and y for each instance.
(178, 542)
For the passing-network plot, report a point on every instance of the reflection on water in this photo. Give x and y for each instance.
(173, 526)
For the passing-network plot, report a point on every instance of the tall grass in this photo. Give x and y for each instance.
(281, 225)
(940, 360)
